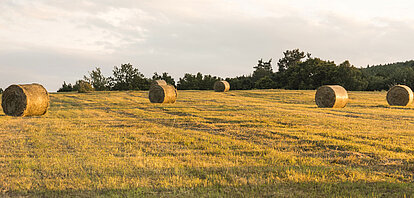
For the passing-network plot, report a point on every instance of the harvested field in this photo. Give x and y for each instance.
(238, 143)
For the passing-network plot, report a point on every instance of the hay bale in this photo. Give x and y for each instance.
(399, 95)
(162, 94)
(25, 100)
(331, 96)
(158, 82)
(221, 86)
(84, 87)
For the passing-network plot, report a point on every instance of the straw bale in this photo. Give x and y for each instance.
(162, 94)
(331, 96)
(158, 82)
(400, 95)
(221, 86)
(25, 100)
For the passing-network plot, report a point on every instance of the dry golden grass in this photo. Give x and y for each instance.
(252, 143)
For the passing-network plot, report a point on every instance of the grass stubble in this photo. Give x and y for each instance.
(239, 143)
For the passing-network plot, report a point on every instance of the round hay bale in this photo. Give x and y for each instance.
(25, 100)
(84, 87)
(162, 94)
(221, 86)
(158, 82)
(399, 95)
(331, 96)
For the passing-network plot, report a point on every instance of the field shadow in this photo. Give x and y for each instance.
(282, 189)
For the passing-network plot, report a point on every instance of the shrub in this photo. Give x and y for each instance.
(66, 87)
(83, 86)
(265, 83)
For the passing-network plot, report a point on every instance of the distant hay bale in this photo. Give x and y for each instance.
(84, 87)
(221, 86)
(158, 82)
(162, 94)
(331, 96)
(25, 100)
(399, 95)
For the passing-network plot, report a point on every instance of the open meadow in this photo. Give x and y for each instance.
(239, 143)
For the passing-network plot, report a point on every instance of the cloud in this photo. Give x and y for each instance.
(53, 41)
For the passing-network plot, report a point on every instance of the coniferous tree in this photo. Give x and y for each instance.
(262, 69)
(291, 58)
(66, 87)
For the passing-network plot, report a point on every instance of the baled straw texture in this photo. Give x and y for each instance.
(162, 94)
(400, 95)
(25, 100)
(331, 96)
(158, 82)
(221, 86)
(85, 87)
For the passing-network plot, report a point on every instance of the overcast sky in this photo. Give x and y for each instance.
(51, 41)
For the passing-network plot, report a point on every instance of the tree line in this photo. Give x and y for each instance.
(125, 77)
(295, 70)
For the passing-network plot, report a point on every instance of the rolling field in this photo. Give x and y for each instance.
(240, 143)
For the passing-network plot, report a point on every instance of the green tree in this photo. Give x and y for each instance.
(188, 82)
(350, 77)
(262, 69)
(310, 74)
(241, 83)
(381, 77)
(265, 83)
(65, 87)
(126, 77)
(376, 83)
(208, 82)
(291, 58)
(97, 80)
(197, 82)
(1, 90)
(404, 76)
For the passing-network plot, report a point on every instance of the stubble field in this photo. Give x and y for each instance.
(240, 143)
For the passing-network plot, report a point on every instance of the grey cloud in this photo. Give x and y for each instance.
(225, 45)
(44, 66)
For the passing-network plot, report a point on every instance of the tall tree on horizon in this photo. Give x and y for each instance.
(126, 77)
(291, 58)
(97, 80)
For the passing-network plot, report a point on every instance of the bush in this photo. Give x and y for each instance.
(83, 86)
(265, 83)
(1, 90)
(66, 87)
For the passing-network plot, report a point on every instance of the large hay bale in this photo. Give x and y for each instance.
(25, 100)
(221, 86)
(399, 95)
(158, 82)
(162, 94)
(331, 96)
